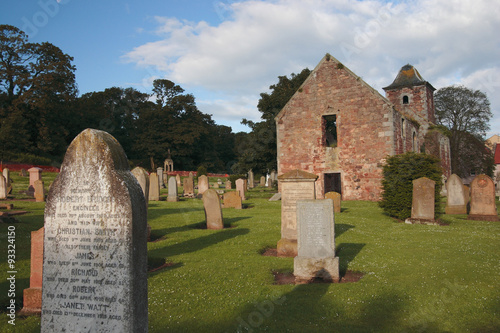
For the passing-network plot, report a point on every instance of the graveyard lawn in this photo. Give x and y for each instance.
(416, 278)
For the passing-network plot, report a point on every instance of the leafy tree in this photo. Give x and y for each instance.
(258, 151)
(466, 113)
(399, 173)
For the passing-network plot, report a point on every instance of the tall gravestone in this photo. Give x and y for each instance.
(95, 248)
(159, 173)
(423, 201)
(337, 200)
(295, 185)
(455, 201)
(482, 200)
(154, 187)
(32, 296)
(241, 187)
(188, 187)
(39, 191)
(178, 179)
(3, 187)
(202, 185)
(250, 179)
(142, 177)
(213, 211)
(6, 174)
(35, 174)
(316, 242)
(172, 190)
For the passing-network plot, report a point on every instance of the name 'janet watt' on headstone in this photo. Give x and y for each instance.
(94, 266)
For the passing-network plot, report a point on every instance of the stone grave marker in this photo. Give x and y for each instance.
(269, 182)
(482, 200)
(39, 191)
(295, 185)
(23, 173)
(6, 174)
(3, 187)
(35, 174)
(191, 175)
(188, 187)
(274, 175)
(32, 296)
(216, 185)
(172, 190)
(240, 187)
(337, 200)
(251, 183)
(316, 242)
(95, 248)
(202, 185)
(232, 199)
(422, 207)
(275, 197)
(262, 181)
(213, 211)
(154, 187)
(142, 177)
(455, 202)
(228, 185)
(159, 173)
(443, 187)
(178, 179)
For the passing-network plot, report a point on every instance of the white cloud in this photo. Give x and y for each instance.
(449, 41)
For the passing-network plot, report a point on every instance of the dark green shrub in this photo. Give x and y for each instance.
(202, 170)
(399, 172)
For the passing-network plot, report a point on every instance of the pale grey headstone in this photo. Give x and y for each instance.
(172, 190)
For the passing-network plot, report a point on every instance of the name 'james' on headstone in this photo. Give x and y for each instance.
(95, 261)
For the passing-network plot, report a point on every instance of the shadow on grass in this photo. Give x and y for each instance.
(346, 253)
(199, 243)
(340, 228)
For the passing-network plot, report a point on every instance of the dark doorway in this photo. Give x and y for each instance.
(333, 182)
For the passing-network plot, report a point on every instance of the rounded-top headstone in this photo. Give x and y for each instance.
(95, 247)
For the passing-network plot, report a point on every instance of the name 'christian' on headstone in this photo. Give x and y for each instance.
(94, 268)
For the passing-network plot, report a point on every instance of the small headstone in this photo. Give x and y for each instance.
(154, 187)
(202, 185)
(455, 201)
(35, 174)
(443, 187)
(276, 197)
(422, 208)
(178, 179)
(337, 200)
(228, 184)
(191, 175)
(39, 191)
(165, 178)
(482, 200)
(295, 185)
(269, 182)
(216, 185)
(172, 190)
(23, 173)
(316, 242)
(213, 211)
(32, 296)
(274, 175)
(3, 187)
(240, 187)
(262, 181)
(188, 187)
(143, 178)
(232, 200)
(159, 173)
(219, 181)
(95, 248)
(6, 174)
(251, 183)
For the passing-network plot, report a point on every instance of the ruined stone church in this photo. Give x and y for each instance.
(338, 127)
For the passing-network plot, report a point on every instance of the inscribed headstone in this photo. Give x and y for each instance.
(455, 201)
(172, 190)
(95, 261)
(422, 208)
(3, 187)
(482, 200)
(142, 177)
(232, 199)
(188, 187)
(213, 211)
(32, 296)
(240, 187)
(39, 191)
(337, 199)
(35, 174)
(202, 184)
(154, 187)
(316, 242)
(295, 185)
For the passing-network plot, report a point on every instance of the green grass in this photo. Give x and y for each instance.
(417, 278)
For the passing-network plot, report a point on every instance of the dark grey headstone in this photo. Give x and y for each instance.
(94, 266)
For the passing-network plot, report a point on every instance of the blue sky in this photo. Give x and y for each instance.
(228, 52)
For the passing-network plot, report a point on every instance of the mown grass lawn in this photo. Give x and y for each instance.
(417, 278)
